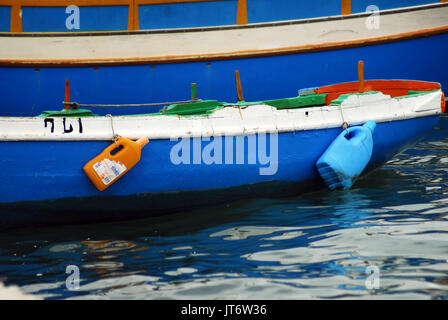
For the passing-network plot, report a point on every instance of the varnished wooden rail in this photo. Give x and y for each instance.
(133, 5)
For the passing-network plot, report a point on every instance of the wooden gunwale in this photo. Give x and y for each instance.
(228, 55)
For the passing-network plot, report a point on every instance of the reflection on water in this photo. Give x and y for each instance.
(318, 245)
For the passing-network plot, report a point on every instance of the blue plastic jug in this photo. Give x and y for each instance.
(347, 156)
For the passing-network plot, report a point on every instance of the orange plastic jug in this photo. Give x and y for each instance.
(114, 161)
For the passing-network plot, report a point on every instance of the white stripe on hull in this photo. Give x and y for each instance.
(229, 120)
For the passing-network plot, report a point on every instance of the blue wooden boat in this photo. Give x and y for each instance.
(201, 152)
(146, 51)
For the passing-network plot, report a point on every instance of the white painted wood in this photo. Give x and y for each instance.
(226, 41)
(230, 120)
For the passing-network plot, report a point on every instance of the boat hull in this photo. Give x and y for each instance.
(55, 190)
(263, 78)
(273, 59)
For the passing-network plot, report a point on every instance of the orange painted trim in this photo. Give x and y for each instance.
(346, 7)
(381, 85)
(228, 55)
(241, 12)
(63, 3)
(394, 88)
(443, 0)
(136, 22)
(130, 17)
(85, 3)
(16, 20)
(133, 23)
(67, 94)
(361, 76)
(443, 103)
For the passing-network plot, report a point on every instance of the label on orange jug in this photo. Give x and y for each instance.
(108, 170)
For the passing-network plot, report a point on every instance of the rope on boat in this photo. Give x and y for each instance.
(76, 105)
(344, 123)
(114, 135)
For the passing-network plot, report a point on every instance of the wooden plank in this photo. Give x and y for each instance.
(346, 7)
(239, 89)
(361, 76)
(16, 19)
(181, 45)
(133, 23)
(241, 12)
(136, 16)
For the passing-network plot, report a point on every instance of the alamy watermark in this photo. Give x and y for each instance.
(72, 281)
(73, 21)
(373, 279)
(373, 21)
(261, 149)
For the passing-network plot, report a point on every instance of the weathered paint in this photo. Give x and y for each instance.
(225, 120)
(394, 88)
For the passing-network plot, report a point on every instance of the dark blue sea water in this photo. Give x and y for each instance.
(386, 238)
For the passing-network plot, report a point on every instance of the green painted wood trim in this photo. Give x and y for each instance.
(194, 108)
(298, 102)
(344, 96)
(78, 113)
